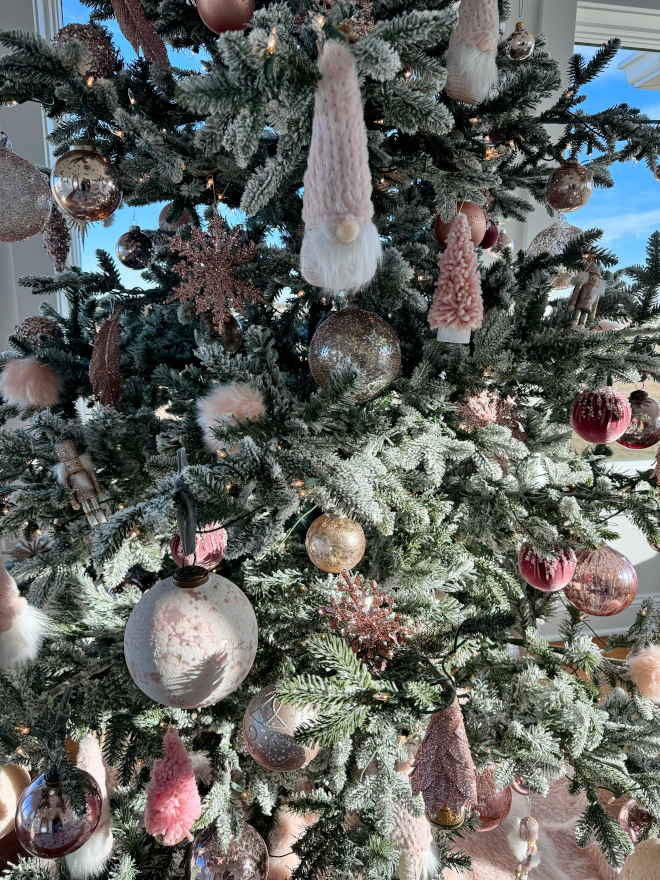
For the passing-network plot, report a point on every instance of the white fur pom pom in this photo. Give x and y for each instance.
(518, 846)
(232, 403)
(26, 382)
(430, 863)
(471, 73)
(327, 261)
(91, 858)
(22, 641)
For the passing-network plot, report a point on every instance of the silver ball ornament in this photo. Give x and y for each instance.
(246, 857)
(520, 45)
(553, 240)
(268, 729)
(24, 198)
(86, 184)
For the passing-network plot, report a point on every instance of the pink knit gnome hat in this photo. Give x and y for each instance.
(11, 602)
(173, 803)
(471, 67)
(341, 249)
(22, 626)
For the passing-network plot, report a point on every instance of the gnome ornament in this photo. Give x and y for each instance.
(91, 858)
(173, 803)
(471, 67)
(22, 626)
(586, 294)
(77, 473)
(341, 249)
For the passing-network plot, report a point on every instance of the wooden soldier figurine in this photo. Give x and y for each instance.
(76, 472)
(586, 293)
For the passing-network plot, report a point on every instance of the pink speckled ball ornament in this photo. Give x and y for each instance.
(604, 583)
(190, 646)
(493, 802)
(210, 546)
(546, 574)
(601, 416)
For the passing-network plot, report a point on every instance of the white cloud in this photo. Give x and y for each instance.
(635, 224)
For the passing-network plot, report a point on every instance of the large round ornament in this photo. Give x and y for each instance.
(185, 218)
(268, 729)
(546, 574)
(46, 824)
(246, 857)
(569, 187)
(135, 250)
(210, 546)
(634, 820)
(643, 863)
(553, 241)
(644, 428)
(191, 646)
(493, 802)
(491, 235)
(604, 583)
(98, 57)
(225, 15)
(14, 779)
(601, 416)
(335, 543)
(85, 184)
(24, 198)
(359, 339)
(476, 219)
(520, 45)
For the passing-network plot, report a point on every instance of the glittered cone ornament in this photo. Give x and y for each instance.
(57, 238)
(471, 67)
(457, 307)
(91, 858)
(341, 249)
(22, 626)
(173, 803)
(444, 771)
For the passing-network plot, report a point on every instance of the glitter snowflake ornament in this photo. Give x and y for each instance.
(365, 618)
(488, 408)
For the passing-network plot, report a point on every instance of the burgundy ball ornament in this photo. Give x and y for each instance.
(46, 824)
(493, 803)
(225, 15)
(268, 729)
(135, 249)
(604, 583)
(246, 857)
(644, 428)
(491, 236)
(85, 184)
(546, 574)
(476, 219)
(569, 187)
(98, 55)
(185, 218)
(634, 820)
(210, 546)
(601, 416)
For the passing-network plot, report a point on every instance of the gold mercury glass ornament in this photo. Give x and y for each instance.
(520, 45)
(446, 819)
(335, 543)
(569, 187)
(85, 184)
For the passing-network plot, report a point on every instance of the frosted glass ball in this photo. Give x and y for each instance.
(604, 583)
(14, 779)
(268, 730)
(190, 647)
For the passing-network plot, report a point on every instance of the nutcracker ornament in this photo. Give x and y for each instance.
(522, 839)
(76, 472)
(586, 294)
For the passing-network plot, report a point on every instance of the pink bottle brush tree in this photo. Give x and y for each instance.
(457, 307)
(173, 803)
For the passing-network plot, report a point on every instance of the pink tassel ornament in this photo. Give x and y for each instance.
(471, 67)
(341, 249)
(91, 858)
(231, 404)
(26, 382)
(22, 626)
(173, 803)
(457, 307)
(644, 670)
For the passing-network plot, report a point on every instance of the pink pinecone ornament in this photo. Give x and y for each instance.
(91, 858)
(22, 626)
(471, 67)
(457, 307)
(173, 803)
(341, 249)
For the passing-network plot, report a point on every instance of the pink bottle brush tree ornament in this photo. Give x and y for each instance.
(341, 249)
(22, 626)
(173, 803)
(471, 67)
(457, 307)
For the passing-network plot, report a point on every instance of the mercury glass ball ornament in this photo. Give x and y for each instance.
(268, 729)
(98, 56)
(634, 820)
(185, 218)
(246, 857)
(46, 824)
(446, 819)
(335, 543)
(493, 802)
(359, 339)
(85, 184)
(476, 218)
(24, 198)
(644, 428)
(520, 45)
(553, 241)
(569, 187)
(135, 249)
(225, 15)
(604, 583)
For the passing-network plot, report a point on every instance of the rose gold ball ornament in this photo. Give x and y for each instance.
(191, 639)
(85, 184)
(135, 249)
(493, 802)
(225, 15)
(476, 219)
(569, 187)
(268, 730)
(246, 857)
(24, 198)
(644, 428)
(519, 785)
(520, 45)
(47, 826)
(359, 339)
(185, 218)
(503, 244)
(335, 543)
(98, 55)
(634, 820)
(553, 241)
(604, 583)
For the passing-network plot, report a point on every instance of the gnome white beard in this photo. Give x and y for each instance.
(327, 262)
(471, 73)
(91, 858)
(519, 846)
(21, 642)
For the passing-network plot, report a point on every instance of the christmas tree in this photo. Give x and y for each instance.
(383, 531)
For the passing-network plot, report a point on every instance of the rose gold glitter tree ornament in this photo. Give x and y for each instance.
(268, 730)
(85, 184)
(57, 238)
(569, 187)
(335, 543)
(604, 583)
(24, 196)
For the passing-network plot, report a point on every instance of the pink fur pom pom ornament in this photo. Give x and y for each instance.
(26, 382)
(92, 857)
(229, 404)
(644, 670)
(173, 803)
(22, 626)
(471, 67)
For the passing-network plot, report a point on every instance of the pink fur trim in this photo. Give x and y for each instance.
(232, 403)
(457, 303)
(26, 382)
(173, 803)
(644, 670)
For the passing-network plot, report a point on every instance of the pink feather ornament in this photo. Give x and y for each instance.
(457, 307)
(644, 670)
(173, 803)
(26, 382)
(471, 67)
(228, 404)
(22, 626)
(91, 858)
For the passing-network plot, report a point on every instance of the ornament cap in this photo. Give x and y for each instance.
(190, 576)
(520, 25)
(638, 395)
